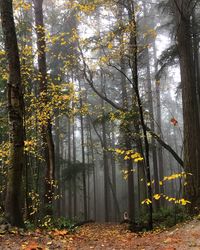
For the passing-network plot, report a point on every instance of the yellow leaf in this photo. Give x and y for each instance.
(146, 201)
(126, 157)
(110, 46)
(157, 196)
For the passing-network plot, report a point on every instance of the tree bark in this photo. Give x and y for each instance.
(69, 160)
(57, 170)
(153, 142)
(83, 160)
(126, 125)
(48, 143)
(134, 68)
(190, 103)
(13, 204)
(105, 156)
(159, 122)
(74, 161)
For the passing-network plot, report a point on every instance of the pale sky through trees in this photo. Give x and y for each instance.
(100, 104)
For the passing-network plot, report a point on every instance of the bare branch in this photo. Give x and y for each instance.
(88, 76)
(91, 83)
(166, 146)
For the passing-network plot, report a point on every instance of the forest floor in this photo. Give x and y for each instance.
(105, 236)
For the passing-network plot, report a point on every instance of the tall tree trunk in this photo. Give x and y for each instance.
(48, 143)
(152, 127)
(114, 184)
(13, 205)
(27, 63)
(93, 171)
(126, 128)
(159, 121)
(57, 170)
(63, 186)
(69, 160)
(74, 161)
(195, 35)
(105, 158)
(83, 160)
(153, 142)
(88, 168)
(190, 106)
(135, 86)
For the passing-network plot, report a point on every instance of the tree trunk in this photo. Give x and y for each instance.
(57, 170)
(153, 142)
(13, 205)
(48, 143)
(83, 160)
(70, 180)
(114, 184)
(105, 158)
(135, 86)
(190, 104)
(159, 122)
(195, 39)
(88, 168)
(126, 127)
(93, 172)
(74, 161)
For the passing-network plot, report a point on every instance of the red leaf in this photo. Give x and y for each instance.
(174, 121)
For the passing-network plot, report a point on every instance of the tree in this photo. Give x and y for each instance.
(183, 14)
(14, 198)
(91, 89)
(48, 143)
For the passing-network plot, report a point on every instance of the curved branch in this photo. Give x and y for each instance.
(156, 137)
(166, 146)
(89, 79)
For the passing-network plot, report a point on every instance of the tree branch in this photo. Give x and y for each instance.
(156, 137)
(91, 83)
(166, 146)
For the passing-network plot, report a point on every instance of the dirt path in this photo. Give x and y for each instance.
(105, 236)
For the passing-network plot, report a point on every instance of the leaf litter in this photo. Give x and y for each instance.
(104, 236)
